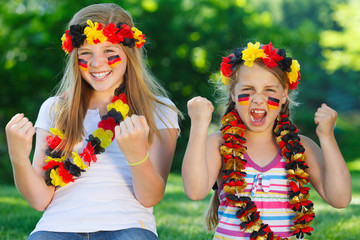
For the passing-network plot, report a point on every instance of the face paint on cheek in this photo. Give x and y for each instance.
(114, 60)
(243, 99)
(273, 103)
(83, 65)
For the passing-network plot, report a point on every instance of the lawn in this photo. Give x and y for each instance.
(178, 218)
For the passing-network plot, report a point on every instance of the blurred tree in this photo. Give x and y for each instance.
(341, 45)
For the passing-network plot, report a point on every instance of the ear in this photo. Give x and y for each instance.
(285, 95)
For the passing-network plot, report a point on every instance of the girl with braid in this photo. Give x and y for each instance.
(104, 143)
(258, 159)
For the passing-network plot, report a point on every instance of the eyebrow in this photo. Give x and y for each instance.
(105, 46)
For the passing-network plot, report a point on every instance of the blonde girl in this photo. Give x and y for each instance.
(88, 185)
(259, 161)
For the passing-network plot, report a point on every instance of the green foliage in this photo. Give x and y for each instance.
(340, 46)
(185, 42)
(179, 218)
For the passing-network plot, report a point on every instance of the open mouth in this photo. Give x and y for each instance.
(101, 75)
(257, 116)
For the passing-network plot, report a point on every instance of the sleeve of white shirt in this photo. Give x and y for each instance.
(167, 118)
(43, 120)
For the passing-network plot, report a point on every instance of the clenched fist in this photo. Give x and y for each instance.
(19, 134)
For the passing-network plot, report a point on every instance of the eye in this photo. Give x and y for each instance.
(109, 51)
(270, 90)
(84, 53)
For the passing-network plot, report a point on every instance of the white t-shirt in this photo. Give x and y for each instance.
(102, 198)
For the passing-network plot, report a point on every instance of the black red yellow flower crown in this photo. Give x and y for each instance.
(271, 58)
(94, 33)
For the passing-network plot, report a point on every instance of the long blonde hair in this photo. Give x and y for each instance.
(74, 93)
(211, 215)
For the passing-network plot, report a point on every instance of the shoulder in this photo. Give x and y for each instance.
(215, 140)
(163, 102)
(308, 143)
(166, 113)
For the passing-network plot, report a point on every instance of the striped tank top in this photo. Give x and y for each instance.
(269, 189)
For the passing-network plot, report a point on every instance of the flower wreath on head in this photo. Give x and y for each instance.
(286, 135)
(271, 58)
(94, 33)
(60, 170)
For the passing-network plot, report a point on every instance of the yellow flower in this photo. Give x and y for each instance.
(48, 159)
(139, 36)
(119, 107)
(57, 132)
(92, 33)
(56, 180)
(105, 136)
(78, 161)
(295, 68)
(252, 52)
(225, 80)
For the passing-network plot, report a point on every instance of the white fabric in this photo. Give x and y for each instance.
(103, 197)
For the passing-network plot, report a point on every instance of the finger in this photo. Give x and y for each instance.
(22, 122)
(143, 122)
(15, 119)
(123, 128)
(129, 123)
(136, 122)
(30, 132)
(25, 127)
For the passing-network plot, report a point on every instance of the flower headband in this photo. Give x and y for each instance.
(95, 33)
(271, 58)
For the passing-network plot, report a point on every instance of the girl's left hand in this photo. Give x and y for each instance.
(325, 118)
(132, 137)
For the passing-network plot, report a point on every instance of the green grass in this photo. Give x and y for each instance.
(179, 218)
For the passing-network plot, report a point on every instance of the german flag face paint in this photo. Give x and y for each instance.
(114, 60)
(273, 103)
(243, 99)
(83, 65)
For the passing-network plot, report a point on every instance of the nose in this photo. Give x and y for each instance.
(258, 99)
(97, 60)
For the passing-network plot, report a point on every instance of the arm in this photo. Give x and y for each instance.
(328, 172)
(29, 179)
(149, 177)
(202, 160)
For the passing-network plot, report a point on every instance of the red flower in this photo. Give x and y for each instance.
(88, 154)
(121, 96)
(271, 56)
(126, 31)
(51, 164)
(225, 67)
(110, 31)
(53, 141)
(295, 188)
(65, 174)
(67, 44)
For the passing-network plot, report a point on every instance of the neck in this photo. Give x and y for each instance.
(99, 100)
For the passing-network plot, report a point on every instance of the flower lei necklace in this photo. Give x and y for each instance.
(232, 155)
(59, 170)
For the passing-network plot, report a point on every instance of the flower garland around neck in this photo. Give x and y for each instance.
(60, 170)
(292, 150)
(270, 56)
(94, 33)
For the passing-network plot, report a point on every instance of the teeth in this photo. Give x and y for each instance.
(258, 111)
(100, 75)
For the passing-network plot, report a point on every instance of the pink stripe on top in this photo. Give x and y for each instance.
(269, 189)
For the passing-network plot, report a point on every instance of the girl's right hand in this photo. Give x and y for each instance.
(200, 110)
(19, 134)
